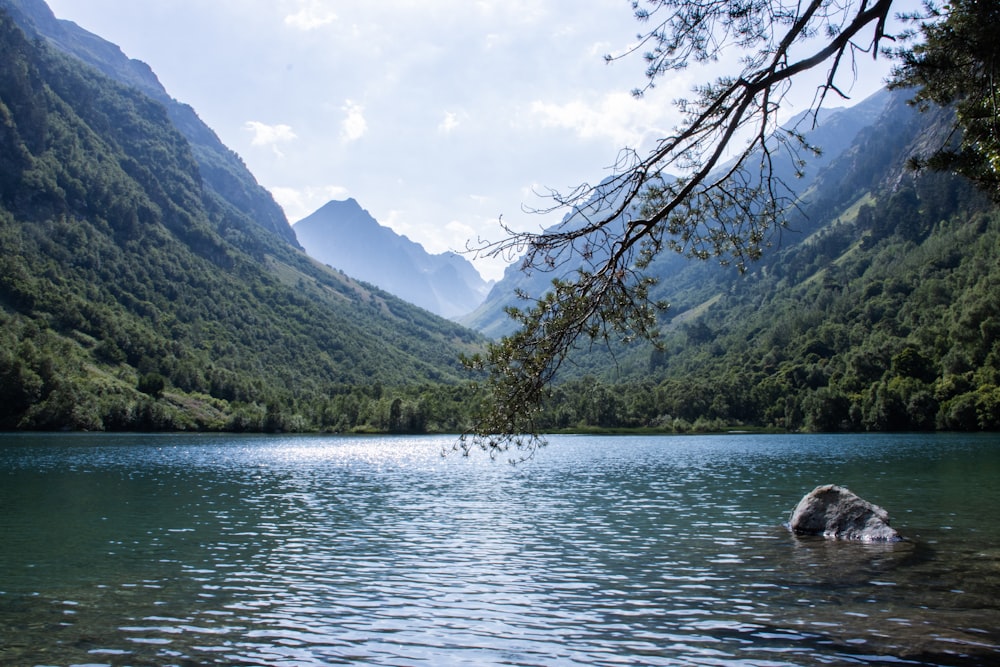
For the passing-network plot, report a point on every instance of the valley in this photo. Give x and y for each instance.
(148, 282)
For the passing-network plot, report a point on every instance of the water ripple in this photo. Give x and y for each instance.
(318, 551)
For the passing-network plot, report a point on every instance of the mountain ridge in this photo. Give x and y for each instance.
(222, 168)
(347, 237)
(835, 131)
(133, 295)
(878, 310)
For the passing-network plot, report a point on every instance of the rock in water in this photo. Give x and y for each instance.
(835, 512)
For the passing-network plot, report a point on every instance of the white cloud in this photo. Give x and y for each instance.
(397, 221)
(521, 12)
(457, 235)
(354, 125)
(465, 236)
(617, 116)
(450, 121)
(435, 237)
(313, 14)
(523, 83)
(268, 135)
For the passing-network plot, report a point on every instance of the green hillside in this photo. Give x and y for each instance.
(880, 311)
(835, 133)
(147, 282)
(221, 169)
(133, 294)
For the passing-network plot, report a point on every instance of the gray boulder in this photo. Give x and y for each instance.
(835, 512)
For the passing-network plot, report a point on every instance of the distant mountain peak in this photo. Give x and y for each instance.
(346, 236)
(342, 204)
(142, 289)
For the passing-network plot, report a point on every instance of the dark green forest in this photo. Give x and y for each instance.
(875, 309)
(886, 321)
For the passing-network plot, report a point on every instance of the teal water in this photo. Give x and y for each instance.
(279, 550)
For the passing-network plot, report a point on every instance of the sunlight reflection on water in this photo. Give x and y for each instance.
(657, 551)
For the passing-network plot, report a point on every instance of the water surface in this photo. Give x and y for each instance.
(235, 550)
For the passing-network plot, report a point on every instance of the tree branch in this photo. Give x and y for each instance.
(617, 227)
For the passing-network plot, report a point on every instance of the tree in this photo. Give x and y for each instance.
(724, 203)
(152, 384)
(958, 63)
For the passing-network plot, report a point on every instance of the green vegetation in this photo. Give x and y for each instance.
(880, 313)
(713, 208)
(135, 296)
(889, 321)
(956, 64)
(713, 186)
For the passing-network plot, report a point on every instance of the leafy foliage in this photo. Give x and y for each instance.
(708, 207)
(958, 63)
(885, 319)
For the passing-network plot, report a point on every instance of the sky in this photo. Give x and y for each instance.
(440, 117)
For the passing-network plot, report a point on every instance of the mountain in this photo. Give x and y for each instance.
(222, 169)
(878, 309)
(347, 237)
(834, 132)
(138, 293)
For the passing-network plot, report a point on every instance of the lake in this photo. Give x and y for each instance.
(324, 550)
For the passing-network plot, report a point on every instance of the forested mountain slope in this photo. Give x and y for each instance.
(884, 314)
(133, 294)
(224, 173)
(834, 132)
